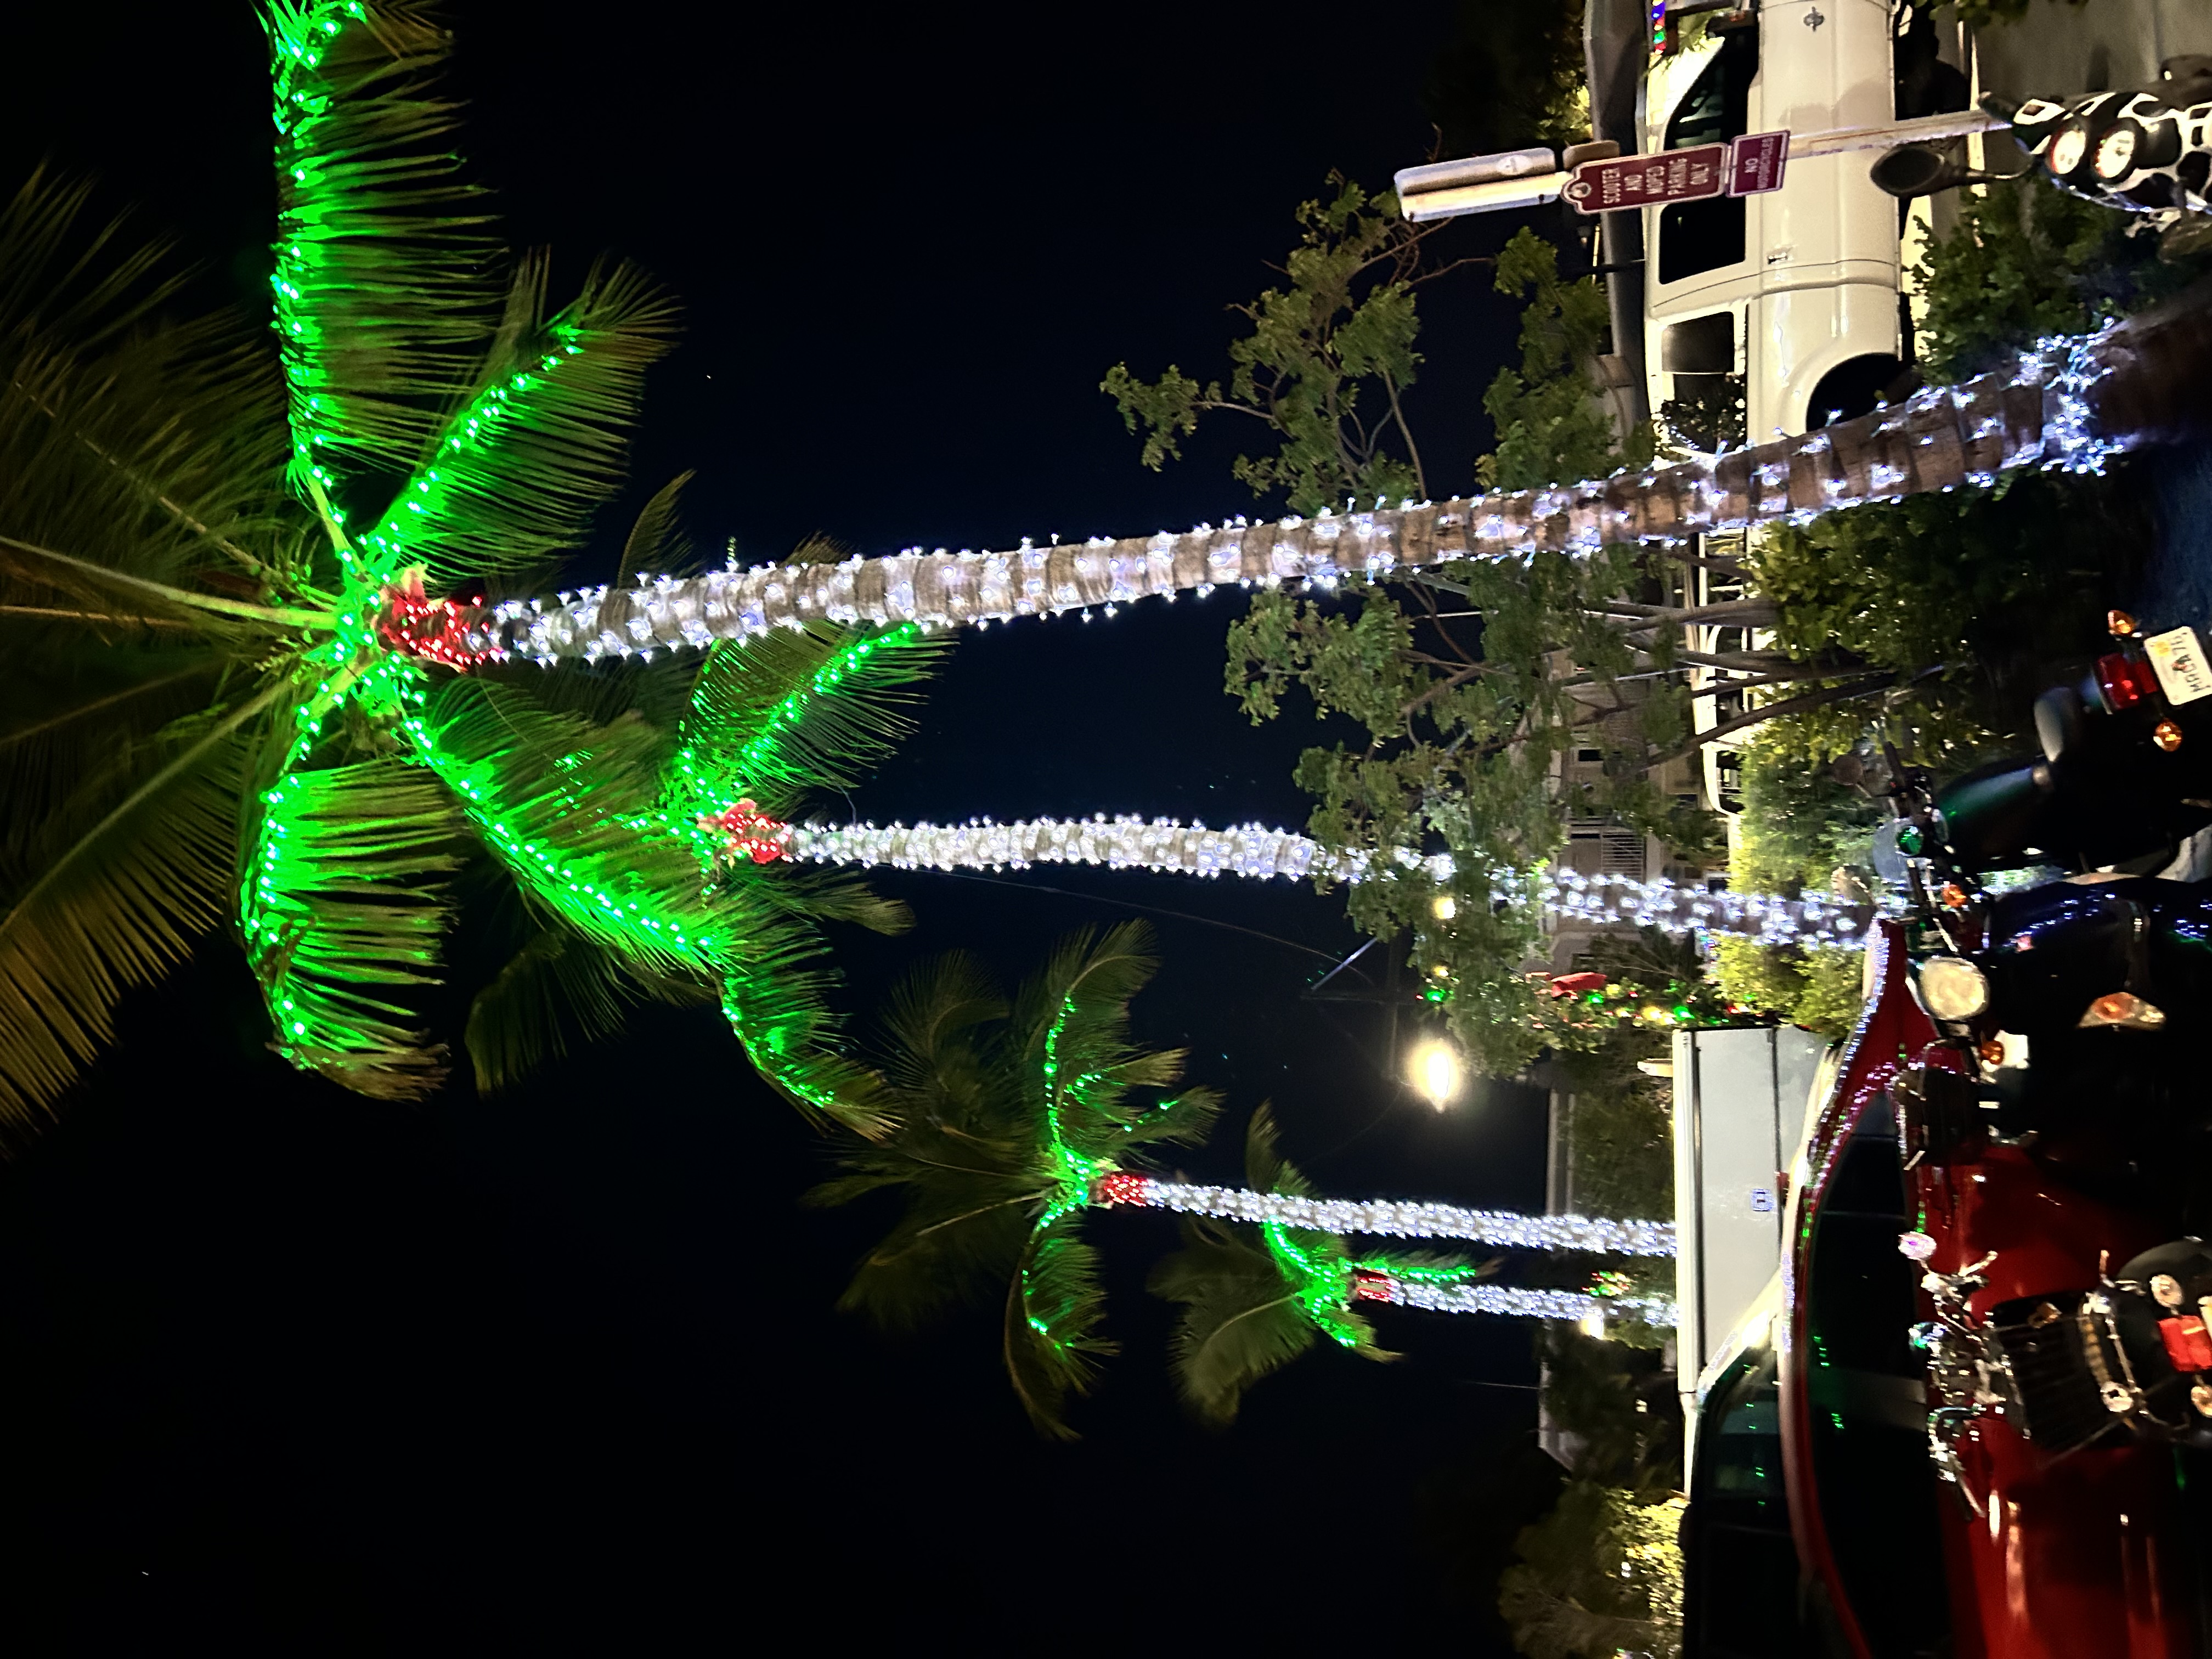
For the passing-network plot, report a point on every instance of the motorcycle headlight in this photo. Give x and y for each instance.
(1953, 988)
(2067, 148)
(2116, 154)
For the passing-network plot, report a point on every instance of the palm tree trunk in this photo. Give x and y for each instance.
(1166, 847)
(2141, 382)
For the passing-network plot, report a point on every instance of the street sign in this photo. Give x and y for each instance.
(1756, 161)
(1635, 181)
(1746, 166)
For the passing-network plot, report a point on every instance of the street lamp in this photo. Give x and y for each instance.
(1436, 1073)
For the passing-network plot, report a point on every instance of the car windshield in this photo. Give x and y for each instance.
(1696, 237)
(1875, 1488)
(1740, 1569)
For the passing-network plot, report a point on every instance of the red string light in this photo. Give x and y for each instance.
(410, 622)
(748, 831)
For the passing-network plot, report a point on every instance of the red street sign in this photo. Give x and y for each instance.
(1756, 161)
(1635, 181)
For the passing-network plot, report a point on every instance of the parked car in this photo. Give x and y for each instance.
(1952, 1425)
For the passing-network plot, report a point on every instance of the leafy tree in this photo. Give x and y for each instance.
(1601, 1573)
(1550, 429)
(1510, 75)
(1326, 365)
(2026, 260)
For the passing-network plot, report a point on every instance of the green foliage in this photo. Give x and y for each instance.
(1991, 586)
(1510, 75)
(1463, 740)
(1815, 988)
(1324, 367)
(1551, 428)
(2027, 260)
(345, 891)
(1004, 1110)
(1601, 1575)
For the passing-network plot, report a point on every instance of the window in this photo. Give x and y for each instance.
(1876, 1489)
(1696, 237)
(1739, 1568)
(1587, 756)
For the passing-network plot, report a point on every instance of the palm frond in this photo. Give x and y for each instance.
(511, 480)
(1240, 1321)
(60, 726)
(344, 890)
(1255, 1298)
(60, 281)
(657, 543)
(138, 442)
(780, 715)
(108, 892)
(567, 807)
(773, 996)
(557, 988)
(1054, 1309)
(383, 300)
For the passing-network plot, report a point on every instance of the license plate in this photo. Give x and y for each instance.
(2182, 673)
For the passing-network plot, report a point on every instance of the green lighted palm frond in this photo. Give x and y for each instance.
(384, 299)
(1073, 1023)
(1240, 1322)
(107, 891)
(778, 716)
(1255, 1298)
(511, 480)
(342, 902)
(773, 995)
(1054, 1309)
(567, 807)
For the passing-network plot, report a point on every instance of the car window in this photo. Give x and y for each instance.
(1739, 1568)
(1696, 237)
(1876, 1490)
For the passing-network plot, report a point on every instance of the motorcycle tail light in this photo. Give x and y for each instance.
(2068, 148)
(2125, 1010)
(2116, 154)
(2124, 683)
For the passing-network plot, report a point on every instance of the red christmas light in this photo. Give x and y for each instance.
(1569, 985)
(1122, 1187)
(746, 830)
(410, 622)
(1369, 1286)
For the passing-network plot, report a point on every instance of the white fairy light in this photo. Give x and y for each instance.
(1168, 846)
(1391, 1217)
(1577, 1305)
(1985, 419)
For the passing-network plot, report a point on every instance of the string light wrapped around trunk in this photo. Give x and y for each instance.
(1388, 1218)
(2071, 404)
(1168, 846)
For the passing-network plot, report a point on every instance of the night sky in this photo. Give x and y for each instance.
(302, 1372)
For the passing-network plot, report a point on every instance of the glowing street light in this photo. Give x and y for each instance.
(1437, 1074)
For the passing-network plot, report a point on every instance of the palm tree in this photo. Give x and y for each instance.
(231, 698)
(1007, 1110)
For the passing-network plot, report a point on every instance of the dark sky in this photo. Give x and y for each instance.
(305, 1373)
